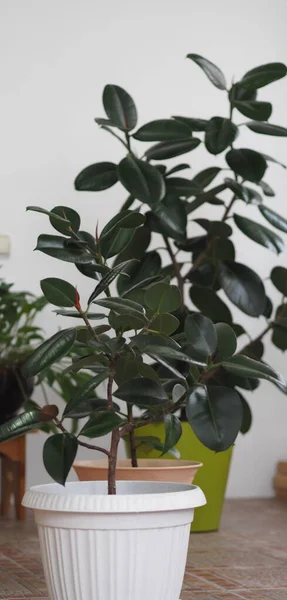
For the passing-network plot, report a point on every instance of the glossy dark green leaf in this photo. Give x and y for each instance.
(268, 308)
(97, 177)
(266, 188)
(169, 218)
(253, 196)
(38, 209)
(126, 322)
(57, 247)
(165, 150)
(76, 315)
(274, 218)
(263, 75)
(59, 453)
(122, 306)
(238, 329)
(86, 407)
(136, 247)
(213, 72)
(248, 367)
(193, 124)
(84, 392)
(210, 304)
(182, 187)
(201, 334)
(108, 278)
(148, 266)
(279, 334)
(171, 353)
(260, 111)
(254, 350)
(120, 107)
(215, 415)
(173, 431)
(279, 279)
(238, 92)
(247, 415)
(226, 341)
(219, 229)
(243, 287)
(238, 189)
(267, 128)
(142, 180)
(19, 425)
(162, 130)
(165, 323)
(205, 275)
(223, 249)
(205, 177)
(260, 234)
(143, 392)
(220, 133)
(67, 213)
(59, 292)
(163, 298)
(51, 351)
(101, 423)
(273, 160)
(177, 168)
(118, 232)
(247, 163)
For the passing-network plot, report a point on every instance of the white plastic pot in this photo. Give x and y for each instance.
(132, 546)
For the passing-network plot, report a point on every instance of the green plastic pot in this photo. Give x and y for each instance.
(211, 478)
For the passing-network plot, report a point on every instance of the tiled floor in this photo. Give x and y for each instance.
(246, 560)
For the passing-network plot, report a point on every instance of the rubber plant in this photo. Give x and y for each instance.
(154, 353)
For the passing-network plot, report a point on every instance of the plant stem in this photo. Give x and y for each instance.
(132, 437)
(89, 326)
(180, 279)
(110, 388)
(229, 207)
(113, 462)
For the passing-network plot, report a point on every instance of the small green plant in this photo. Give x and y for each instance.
(152, 348)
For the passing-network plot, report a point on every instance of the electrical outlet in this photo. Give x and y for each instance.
(4, 245)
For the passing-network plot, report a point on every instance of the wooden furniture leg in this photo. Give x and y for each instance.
(20, 478)
(13, 454)
(7, 480)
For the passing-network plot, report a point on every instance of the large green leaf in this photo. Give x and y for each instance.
(76, 315)
(59, 453)
(260, 111)
(85, 392)
(173, 431)
(201, 334)
(169, 218)
(122, 306)
(205, 177)
(117, 233)
(163, 298)
(279, 279)
(220, 133)
(247, 163)
(238, 189)
(193, 124)
(226, 341)
(248, 367)
(149, 266)
(279, 335)
(101, 423)
(274, 218)
(60, 248)
(177, 168)
(260, 234)
(182, 187)
(120, 107)
(59, 292)
(59, 218)
(49, 352)
(263, 75)
(108, 278)
(143, 392)
(210, 304)
(247, 415)
(162, 130)
(213, 72)
(97, 177)
(243, 287)
(215, 415)
(267, 128)
(173, 354)
(273, 160)
(165, 150)
(68, 213)
(21, 424)
(136, 247)
(143, 181)
(165, 323)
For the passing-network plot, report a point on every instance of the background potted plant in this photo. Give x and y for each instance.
(199, 253)
(81, 524)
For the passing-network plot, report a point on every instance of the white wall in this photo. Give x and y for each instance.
(56, 58)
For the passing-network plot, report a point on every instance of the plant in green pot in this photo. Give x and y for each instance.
(196, 252)
(86, 528)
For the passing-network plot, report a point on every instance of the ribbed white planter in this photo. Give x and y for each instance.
(132, 546)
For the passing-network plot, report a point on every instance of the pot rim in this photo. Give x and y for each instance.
(152, 464)
(92, 497)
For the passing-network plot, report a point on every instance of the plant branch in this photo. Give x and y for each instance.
(84, 444)
(132, 437)
(229, 207)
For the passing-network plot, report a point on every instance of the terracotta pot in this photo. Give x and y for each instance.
(173, 471)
